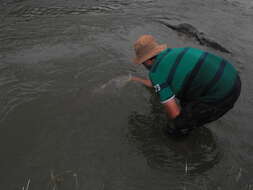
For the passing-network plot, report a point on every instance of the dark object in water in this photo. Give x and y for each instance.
(192, 32)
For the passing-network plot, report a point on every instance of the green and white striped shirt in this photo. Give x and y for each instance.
(191, 74)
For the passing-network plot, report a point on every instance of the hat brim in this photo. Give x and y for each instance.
(156, 51)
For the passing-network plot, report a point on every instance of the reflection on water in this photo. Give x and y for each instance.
(195, 153)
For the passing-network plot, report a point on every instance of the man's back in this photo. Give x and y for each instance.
(192, 74)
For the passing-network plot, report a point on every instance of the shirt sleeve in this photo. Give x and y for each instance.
(166, 94)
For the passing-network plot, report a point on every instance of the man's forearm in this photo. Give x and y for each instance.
(172, 108)
(145, 82)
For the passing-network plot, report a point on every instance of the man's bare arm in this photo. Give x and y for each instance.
(172, 108)
(145, 82)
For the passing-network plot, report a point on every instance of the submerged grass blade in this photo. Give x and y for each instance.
(186, 167)
(28, 184)
(239, 175)
(76, 181)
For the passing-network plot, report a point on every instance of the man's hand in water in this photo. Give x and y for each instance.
(145, 82)
(171, 106)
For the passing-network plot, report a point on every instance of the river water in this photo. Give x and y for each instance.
(70, 119)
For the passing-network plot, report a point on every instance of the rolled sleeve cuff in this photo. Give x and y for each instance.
(165, 101)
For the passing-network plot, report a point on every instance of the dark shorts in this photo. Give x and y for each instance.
(196, 114)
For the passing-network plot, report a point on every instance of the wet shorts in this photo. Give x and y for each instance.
(196, 114)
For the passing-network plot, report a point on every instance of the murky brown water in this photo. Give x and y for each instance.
(70, 118)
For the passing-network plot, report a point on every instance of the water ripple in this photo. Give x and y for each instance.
(27, 11)
(198, 152)
(15, 93)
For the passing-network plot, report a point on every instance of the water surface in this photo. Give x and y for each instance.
(70, 118)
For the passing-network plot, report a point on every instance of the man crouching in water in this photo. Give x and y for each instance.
(206, 85)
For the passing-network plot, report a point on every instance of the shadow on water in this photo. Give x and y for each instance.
(195, 153)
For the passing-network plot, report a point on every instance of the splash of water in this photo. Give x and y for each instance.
(113, 84)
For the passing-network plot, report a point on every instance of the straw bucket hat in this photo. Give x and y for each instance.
(146, 47)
